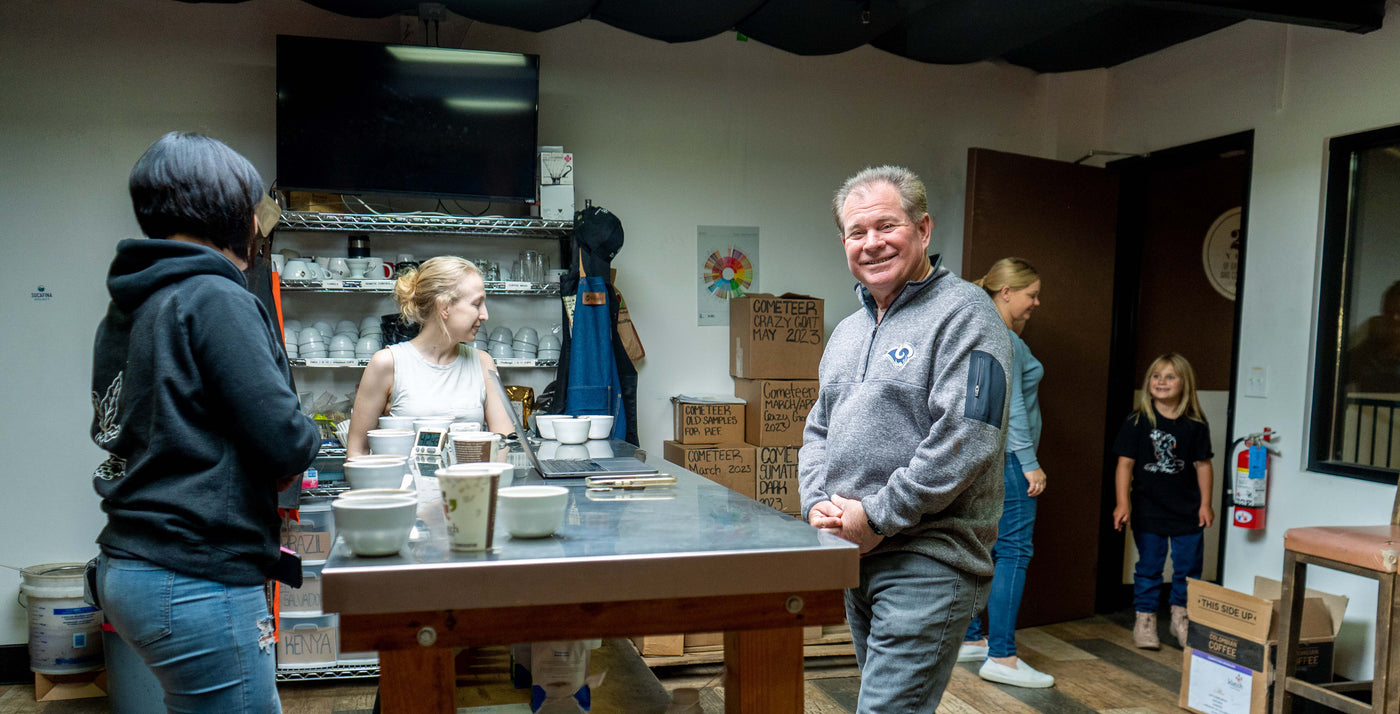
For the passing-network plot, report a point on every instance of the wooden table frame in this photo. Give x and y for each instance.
(762, 642)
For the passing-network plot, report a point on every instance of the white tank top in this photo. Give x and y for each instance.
(421, 388)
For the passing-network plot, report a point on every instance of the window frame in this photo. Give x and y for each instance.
(1334, 292)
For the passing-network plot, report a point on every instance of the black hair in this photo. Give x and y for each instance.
(196, 185)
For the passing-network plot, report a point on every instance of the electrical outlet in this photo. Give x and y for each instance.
(1256, 382)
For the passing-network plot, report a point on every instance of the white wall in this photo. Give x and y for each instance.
(1295, 87)
(667, 136)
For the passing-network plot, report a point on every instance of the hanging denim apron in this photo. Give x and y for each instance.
(594, 387)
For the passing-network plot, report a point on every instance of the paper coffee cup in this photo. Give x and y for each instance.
(474, 446)
(469, 503)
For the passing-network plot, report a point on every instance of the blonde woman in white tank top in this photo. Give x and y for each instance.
(432, 374)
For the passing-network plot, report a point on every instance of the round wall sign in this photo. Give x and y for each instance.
(1220, 254)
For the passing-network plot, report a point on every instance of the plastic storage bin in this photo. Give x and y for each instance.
(313, 537)
(307, 641)
(305, 599)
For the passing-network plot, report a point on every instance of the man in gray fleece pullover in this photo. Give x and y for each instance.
(902, 453)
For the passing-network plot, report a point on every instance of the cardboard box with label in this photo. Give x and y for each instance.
(775, 410)
(708, 419)
(729, 465)
(1228, 665)
(775, 337)
(776, 478)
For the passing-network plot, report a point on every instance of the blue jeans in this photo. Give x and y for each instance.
(907, 618)
(1011, 555)
(1187, 561)
(209, 644)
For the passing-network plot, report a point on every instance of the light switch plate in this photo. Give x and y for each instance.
(1256, 382)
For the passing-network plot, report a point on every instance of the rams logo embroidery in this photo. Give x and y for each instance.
(900, 355)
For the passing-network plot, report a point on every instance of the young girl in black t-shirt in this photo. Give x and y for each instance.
(1164, 453)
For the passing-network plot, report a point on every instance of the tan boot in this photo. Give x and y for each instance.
(1145, 631)
(1180, 624)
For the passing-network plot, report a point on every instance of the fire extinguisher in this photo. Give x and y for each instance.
(1251, 483)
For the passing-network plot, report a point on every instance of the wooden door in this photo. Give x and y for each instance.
(1062, 219)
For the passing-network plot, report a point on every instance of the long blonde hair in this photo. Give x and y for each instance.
(420, 292)
(1013, 273)
(1191, 407)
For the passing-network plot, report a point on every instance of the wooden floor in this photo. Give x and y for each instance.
(1096, 668)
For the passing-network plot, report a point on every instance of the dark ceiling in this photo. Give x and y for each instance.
(1044, 35)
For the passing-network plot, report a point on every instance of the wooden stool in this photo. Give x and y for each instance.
(1368, 551)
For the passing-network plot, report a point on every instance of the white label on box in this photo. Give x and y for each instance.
(1218, 686)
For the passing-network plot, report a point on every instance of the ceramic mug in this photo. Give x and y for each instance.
(297, 269)
(377, 269)
(337, 268)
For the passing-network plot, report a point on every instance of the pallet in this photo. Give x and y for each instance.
(834, 641)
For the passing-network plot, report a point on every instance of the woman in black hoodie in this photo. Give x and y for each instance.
(193, 402)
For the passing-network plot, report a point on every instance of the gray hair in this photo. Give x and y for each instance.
(912, 196)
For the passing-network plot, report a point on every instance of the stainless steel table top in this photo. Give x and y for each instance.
(696, 539)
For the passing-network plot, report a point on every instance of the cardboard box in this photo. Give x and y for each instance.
(708, 420)
(776, 478)
(775, 337)
(1228, 665)
(660, 645)
(775, 411)
(703, 640)
(729, 465)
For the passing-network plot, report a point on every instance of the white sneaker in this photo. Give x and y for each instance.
(1022, 675)
(968, 652)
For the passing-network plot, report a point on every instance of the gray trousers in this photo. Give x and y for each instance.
(907, 620)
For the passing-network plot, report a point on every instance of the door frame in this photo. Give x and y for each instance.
(1111, 594)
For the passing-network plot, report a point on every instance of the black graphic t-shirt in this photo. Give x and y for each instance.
(1166, 497)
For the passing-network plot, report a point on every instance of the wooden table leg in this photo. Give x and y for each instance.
(763, 671)
(417, 681)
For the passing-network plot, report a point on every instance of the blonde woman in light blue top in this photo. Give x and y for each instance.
(1014, 287)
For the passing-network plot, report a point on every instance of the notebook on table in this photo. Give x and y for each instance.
(567, 468)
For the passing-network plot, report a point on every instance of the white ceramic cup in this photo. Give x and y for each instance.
(337, 267)
(544, 424)
(571, 430)
(378, 269)
(279, 262)
(355, 267)
(391, 441)
(469, 503)
(375, 473)
(432, 422)
(296, 270)
(600, 426)
(396, 422)
(534, 511)
(375, 525)
(373, 492)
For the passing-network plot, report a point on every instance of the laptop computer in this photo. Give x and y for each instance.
(568, 468)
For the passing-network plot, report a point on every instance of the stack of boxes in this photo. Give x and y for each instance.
(775, 349)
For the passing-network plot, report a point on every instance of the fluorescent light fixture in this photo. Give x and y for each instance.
(490, 104)
(472, 57)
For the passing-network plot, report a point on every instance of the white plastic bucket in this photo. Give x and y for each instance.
(65, 633)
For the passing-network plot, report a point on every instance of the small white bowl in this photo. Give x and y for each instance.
(373, 492)
(571, 430)
(375, 473)
(544, 424)
(341, 354)
(347, 326)
(375, 525)
(396, 422)
(600, 426)
(342, 343)
(550, 342)
(432, 422)
(391, 441)
(527, 335)
(532, 511)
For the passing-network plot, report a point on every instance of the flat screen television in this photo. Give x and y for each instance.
(361, 117)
